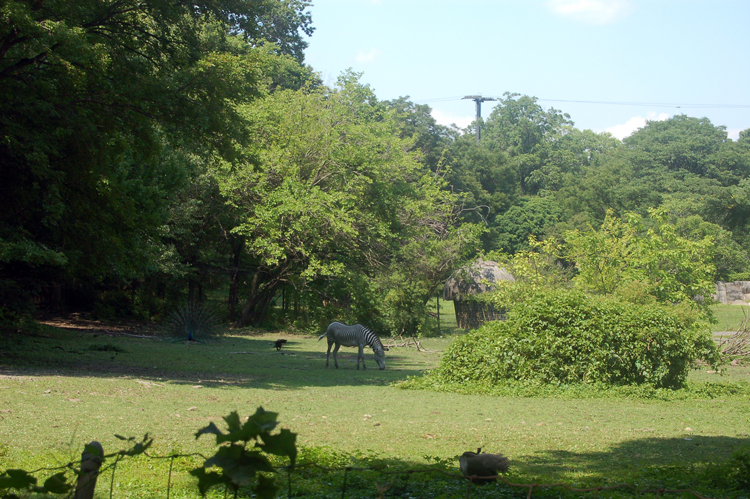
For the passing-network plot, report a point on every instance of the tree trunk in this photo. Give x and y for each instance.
(262, 290)
(238, 244)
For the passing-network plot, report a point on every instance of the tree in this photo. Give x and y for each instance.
(664, 265)
(525, 131)
(433, 242)
(430, 138)
(331, 190)
(323, 191)
(518, 176)
(679, 143)
(729, 256)
(97, 97)
(534, 217)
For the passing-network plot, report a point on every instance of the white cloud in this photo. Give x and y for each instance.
(734, 133)
(367, 57)
(634, 123)
(448, 119)
(592, 11)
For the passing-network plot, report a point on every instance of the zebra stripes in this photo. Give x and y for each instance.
(353, 336)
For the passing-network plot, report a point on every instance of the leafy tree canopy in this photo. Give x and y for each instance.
(98, 100)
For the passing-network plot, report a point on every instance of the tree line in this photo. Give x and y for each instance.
(154, 153)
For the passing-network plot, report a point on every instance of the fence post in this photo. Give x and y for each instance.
(90, 464)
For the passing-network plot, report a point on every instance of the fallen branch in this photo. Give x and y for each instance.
(738, 344)
(406, 343)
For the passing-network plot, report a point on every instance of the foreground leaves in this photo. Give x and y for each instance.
(240, 465)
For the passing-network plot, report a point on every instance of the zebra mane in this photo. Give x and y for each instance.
(375, 339)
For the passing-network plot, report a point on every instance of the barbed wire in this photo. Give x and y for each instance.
(74, 466)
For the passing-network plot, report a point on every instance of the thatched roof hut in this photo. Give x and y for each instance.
(467, 282)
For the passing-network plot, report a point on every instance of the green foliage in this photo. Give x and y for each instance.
(416, 123)
(623, 254)
(732, 474)
(679, 143)
(330, 188)
(107, 108)
(239, 464)
(684, 164)
(431, 244)
(536, 389)
(534, 269)
(532, 217)
(740, 468)
(729, 256)
(567, 337)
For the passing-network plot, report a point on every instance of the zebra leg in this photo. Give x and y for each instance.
(335, 351)
(361, 355)
(328, 353)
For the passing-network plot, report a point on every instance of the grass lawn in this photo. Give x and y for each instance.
(730, 317)
(61, 388)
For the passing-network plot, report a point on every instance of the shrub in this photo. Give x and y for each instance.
(567, 337)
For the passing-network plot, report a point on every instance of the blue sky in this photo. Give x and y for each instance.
(689, 53)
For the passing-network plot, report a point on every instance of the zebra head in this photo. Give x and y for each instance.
(379, 356)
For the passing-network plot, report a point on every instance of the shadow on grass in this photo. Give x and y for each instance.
(249, 362)
(640, 457)
(643, 464)
(701, 464)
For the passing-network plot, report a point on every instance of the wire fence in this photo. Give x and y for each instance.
(90, 468)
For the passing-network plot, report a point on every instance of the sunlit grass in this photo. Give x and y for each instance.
(729, 317)
(64, 389)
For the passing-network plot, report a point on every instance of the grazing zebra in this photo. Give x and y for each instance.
(353, 336)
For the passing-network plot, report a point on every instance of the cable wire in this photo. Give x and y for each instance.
(611, 103)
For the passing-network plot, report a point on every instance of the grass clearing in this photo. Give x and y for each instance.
(729, 317)
(60, 389)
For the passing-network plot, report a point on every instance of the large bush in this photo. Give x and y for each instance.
(569, 337)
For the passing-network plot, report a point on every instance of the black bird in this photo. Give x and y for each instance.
(278, 344)
(482, 464)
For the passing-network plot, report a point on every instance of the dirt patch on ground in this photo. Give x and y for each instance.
(116, 370)
(80, 323)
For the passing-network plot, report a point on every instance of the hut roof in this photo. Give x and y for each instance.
(477, 277)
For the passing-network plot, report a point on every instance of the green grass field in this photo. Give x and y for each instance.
(61, 388)
(730, 317)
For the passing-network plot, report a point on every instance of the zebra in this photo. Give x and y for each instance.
(353, 336)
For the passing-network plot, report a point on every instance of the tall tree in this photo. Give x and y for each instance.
(96, 98)
(519, 126)
(332, 189)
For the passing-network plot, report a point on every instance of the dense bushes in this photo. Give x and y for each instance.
(567, 337)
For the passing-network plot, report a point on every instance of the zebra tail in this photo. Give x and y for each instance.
(322, 336)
